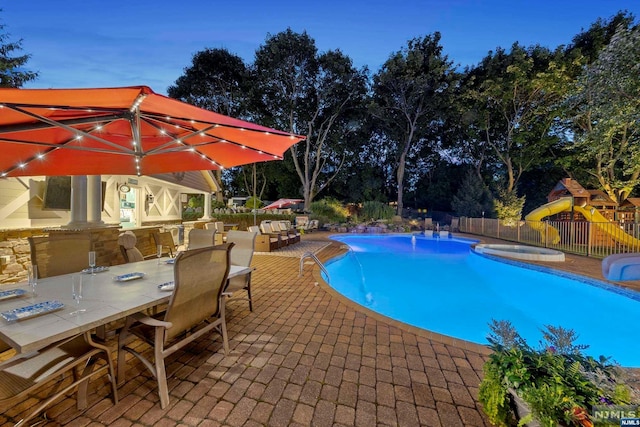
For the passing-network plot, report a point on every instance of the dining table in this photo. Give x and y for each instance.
(110, 294)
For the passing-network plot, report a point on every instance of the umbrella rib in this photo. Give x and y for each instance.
(161, 149)
(179, 140)
(39, 126)
(70, 129)
(194, 133)
(62, 146)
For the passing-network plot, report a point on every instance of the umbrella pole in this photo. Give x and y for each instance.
(255, 208)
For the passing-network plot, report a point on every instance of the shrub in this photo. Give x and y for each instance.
(253, 203)
(329, 211)
(374, 210)
(217, 205)
(509, 207)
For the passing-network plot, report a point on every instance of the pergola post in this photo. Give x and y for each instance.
(207, 206)
(78, 201)
(94, 199)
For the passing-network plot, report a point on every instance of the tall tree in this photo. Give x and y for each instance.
(473, 198)
(219, 81)
(411, 93)
(514, 93)
(589, 43)
(12, 73)
(321, 96)
(606, 124)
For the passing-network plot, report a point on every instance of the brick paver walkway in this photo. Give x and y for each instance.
(303, 357)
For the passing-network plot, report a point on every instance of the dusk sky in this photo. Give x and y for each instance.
(97, 43)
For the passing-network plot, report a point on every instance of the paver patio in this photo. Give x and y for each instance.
(305, 356)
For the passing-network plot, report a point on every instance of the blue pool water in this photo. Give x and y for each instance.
(440, 285)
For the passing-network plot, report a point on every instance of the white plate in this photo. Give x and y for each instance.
(31, 310)
(12, 293)
(95, 270)
(128, 276)
(168, 286)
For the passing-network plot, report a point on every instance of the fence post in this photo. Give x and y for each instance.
(546, 233)
(589, 234)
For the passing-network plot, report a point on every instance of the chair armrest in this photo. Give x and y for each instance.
(150, 321)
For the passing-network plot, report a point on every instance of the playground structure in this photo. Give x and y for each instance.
(569, 201)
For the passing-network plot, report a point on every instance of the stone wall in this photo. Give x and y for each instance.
(15, 246)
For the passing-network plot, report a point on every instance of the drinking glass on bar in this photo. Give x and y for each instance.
(159, 252)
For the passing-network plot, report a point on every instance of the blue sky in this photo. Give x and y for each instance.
(100, 43)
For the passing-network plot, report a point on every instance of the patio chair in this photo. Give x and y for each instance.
(199, 238)
(4, 347)
(165, 239)
(221, 235)
(302, 222)
(281, 227)
(127, 242)
(24, 373)
(294, 235)
(265, 228)
(196, 308)
(314, 224)
(241, 254)
(218, 227)
(264, 242)
(428, 223)
(60, 254)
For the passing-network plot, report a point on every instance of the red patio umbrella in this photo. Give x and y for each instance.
(123, 131)
(283, 203)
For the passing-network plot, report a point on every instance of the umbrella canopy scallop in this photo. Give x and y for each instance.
(124, 131)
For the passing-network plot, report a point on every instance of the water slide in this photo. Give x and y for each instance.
(561, 205)
(605, 225)
(564, 205)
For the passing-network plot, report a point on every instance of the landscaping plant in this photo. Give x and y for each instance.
(557, 381)
(374, 210)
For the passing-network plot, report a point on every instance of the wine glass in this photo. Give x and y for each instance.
(92, 262)
(159, 252)
(76, 293)
(33, 278)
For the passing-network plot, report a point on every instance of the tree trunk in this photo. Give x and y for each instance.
(220, 193)
(401, 167)
(400, 178)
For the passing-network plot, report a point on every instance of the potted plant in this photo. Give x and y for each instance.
(553, 385)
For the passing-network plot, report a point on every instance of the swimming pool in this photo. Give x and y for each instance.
(440, 285)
